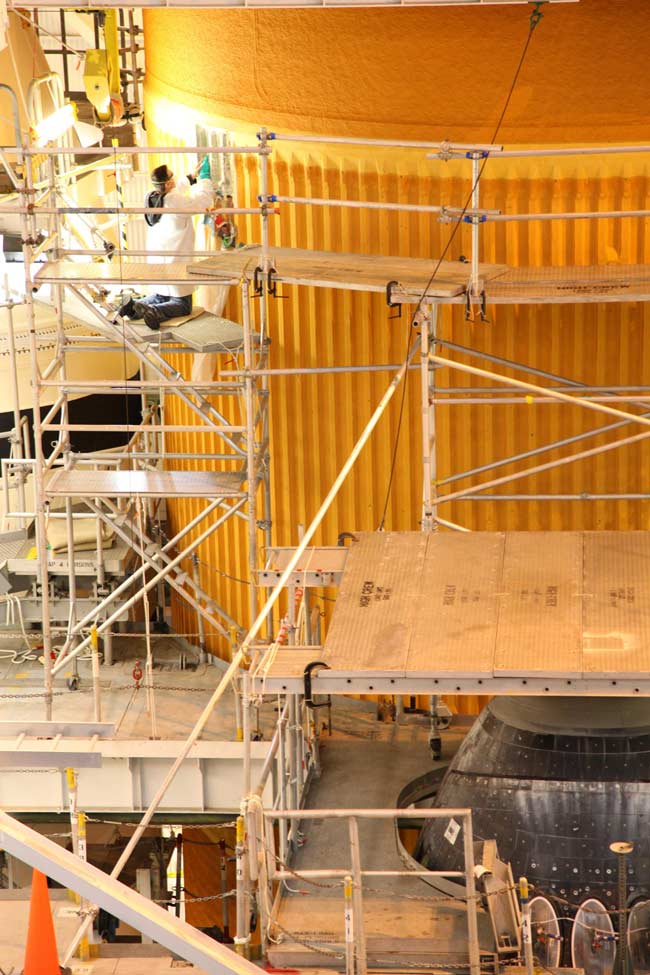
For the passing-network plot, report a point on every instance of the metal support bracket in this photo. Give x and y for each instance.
(389, 299)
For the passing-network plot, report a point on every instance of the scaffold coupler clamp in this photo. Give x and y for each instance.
(389, 299)
(272, 284)
(258, 286)
(309, 671)
(480, 298)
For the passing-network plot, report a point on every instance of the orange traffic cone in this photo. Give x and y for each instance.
(41, 955)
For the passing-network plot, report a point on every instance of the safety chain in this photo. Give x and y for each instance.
(295, 873)
(194, 900)
(329, 952)
(109, 689)
(574, 904)
(437, 966)
(183, 826)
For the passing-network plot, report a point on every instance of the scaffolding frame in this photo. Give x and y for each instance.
(56, 473)
(290, 736)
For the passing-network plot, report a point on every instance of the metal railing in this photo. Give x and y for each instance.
(261, 867)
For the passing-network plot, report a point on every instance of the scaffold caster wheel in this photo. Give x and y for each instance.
(435, 744)
(72, 683)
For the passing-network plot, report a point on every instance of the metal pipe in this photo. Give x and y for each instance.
(29, 228)
(371, 205)
(538, 450)
(54, 409)
(316, 370)
(199, 616)
(127, 337)
(585, 496)
(272, 752)
(549, 465)
(255, 628)
(444, 147)
(451, 524)
(283, 826)
(506, 400)
(362, 813)
(132, 210)
(127, 428)
(570, 215)
(475, 286)
(246, 728)
(63, 661)
(16, 433)
(179, 868)
(242, 936)
(140, 150)
(97, 699)
(357, 898)
(526, 931)
(16, 119)
(428, 332)
(107, 385)
(251, 478)
(542, 390)
(287, 875)
(294, 798)
(138, 572)
(348, 915)
(470, 893)
(151, 553)
(576, 151)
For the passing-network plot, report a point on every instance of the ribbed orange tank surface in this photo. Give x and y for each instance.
(426, 74)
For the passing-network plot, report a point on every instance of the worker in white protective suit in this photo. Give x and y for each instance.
(171, 236)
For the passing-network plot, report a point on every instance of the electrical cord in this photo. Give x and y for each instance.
(535, 18)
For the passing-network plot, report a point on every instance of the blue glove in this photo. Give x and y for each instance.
(204, 171)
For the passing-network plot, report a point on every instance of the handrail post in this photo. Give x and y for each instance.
(242, 937)
(357, 900)
(470, 886)
(349, 925)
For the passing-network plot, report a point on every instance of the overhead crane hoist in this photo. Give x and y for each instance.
(102, 71)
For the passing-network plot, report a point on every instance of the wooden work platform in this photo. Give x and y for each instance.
(153, 484)
(487, 612)
(115, 274)
(355, 272)
(410, 277)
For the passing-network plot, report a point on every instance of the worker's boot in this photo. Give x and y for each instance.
(151, 318)
(127, 308)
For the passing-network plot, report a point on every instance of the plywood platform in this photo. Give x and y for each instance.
(110, 273)
(356, 272)
(489, 612)
(369, 272)
(154, 484)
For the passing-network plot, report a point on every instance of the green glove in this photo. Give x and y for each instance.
(204, 171)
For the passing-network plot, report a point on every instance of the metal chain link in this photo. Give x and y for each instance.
(195, 900)
(295, 873)
(320, 950)
(184, 826)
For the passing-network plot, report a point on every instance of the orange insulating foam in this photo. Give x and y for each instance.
(418, 73)
(41, 955)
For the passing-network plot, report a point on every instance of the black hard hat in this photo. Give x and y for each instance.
(161, 175)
